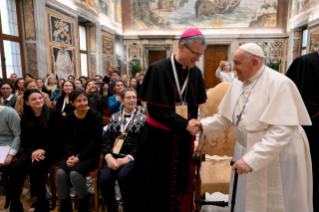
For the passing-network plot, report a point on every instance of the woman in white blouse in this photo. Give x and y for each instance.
(227, 75)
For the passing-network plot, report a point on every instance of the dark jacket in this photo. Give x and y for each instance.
(50, 139)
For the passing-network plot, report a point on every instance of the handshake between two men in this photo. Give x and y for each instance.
(194, 126)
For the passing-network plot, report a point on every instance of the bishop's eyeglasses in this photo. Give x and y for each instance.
(195, 53)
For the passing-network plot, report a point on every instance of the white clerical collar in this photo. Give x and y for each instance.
(256, 75)
(8, 99)
(131, 113)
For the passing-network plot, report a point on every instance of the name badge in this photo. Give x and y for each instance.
(182, 110)
(118, 146)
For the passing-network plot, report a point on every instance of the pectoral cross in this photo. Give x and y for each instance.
(238, 119)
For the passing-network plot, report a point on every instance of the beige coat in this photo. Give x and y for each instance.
(19, 104)
(275, 146)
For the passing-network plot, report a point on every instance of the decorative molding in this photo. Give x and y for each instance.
(107, 30)
(303, 22)
(58, 7)
(313, 24)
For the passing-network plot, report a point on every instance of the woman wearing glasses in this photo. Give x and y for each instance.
(8, 98)
(119, 148)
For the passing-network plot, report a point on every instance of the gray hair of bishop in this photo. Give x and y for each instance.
(189, 40)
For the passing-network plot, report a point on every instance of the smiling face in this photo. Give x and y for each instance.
(67, 87)
(51, 81)
(91, 87)
(129, 100)
(31, 85)
(118, 88)
(133, 83)
(40, 83)
(35, 101)
(80, 103)
(6, 90)
(187, 57)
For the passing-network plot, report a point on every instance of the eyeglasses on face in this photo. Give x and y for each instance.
(195, 53)
(5, 89)
(130, 97)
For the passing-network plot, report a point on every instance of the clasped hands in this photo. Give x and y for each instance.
(72, 161)
(115, 164)
(194, 126)
(38, 155)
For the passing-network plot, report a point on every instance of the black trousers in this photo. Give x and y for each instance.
(125, 178)
(36, 170)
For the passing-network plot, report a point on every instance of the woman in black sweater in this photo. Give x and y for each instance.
(120, 165)
(82, 150)
(41, 136)
(63, 104)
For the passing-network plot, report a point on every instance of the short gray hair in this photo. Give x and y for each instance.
(189, 40)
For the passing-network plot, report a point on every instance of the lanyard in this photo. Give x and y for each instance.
(180, 92)
(128, 122)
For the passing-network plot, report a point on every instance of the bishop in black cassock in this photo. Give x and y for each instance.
(304, 71)
(164, 173)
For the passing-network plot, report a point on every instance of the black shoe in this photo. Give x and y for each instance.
(16, 206)
(66, 205)
(42, 206)
(83, 205)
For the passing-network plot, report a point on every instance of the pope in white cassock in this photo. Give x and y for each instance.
(272, 151)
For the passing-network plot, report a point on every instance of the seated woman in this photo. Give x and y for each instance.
(124, 130)
(134, 83)
(19, 86)
(30, 84)
(63, 104)
(83, 81)
(51, 84)
(41, 86)
(9, 132)
(8, 98)
(96, 101)
(114, 101)
(41, 139)
(77, 84)
(57, 92)
(82, 149)
(226, 75)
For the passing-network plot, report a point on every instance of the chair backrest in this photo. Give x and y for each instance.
(223, 142)
(106, 120)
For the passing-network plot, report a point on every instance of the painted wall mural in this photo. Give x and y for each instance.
(134, 50)
(273, 52)
(63, 62)
(28, 18)
(88, 3)
(61, 44)
(297, 7)
(313, 40)
(61, 31)
(32, 59)
(180, 14)
(108, 45)
(104, 7)
(118, 11)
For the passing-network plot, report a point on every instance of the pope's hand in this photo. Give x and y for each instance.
(194, 126)
(242, 167)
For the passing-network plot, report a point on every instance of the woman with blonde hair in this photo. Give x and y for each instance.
(50, 84)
